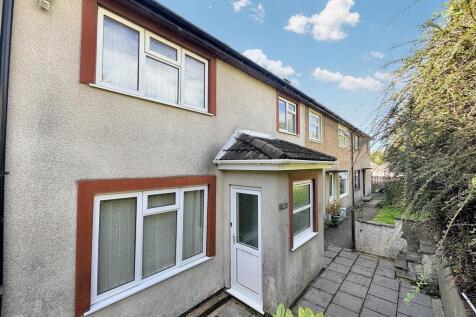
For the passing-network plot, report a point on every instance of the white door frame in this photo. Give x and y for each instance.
(237, 290)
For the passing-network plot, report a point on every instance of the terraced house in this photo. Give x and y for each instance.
(149, 165)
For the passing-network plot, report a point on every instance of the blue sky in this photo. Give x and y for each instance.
(333, 50)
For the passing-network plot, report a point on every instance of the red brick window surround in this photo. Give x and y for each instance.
(304, 178)
(152, 26)
(88, 193)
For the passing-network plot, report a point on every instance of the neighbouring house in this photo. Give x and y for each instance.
(147, 165)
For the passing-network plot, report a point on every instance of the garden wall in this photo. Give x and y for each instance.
(379, 239)
(450, 297)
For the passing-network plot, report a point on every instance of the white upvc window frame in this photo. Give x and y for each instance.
(341, 195)
(332, 192)
(288, 111)
(343, 132)
(356, 141)
(304, 236)
(144, 52)
(139, 283)
(320, 126)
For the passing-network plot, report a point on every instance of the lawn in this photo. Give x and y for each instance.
(387, 215)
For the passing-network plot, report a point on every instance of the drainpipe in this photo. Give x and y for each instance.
(353, 188)
(5, 46)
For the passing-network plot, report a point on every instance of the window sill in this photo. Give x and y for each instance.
(117, 91)
(301, 240)
(287, 132)
(137, 288)
(315, 140)
(343, 195)
(344, 147)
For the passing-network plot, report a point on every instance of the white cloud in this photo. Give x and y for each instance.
(240, 4)
(377, 54)
(347, 82)
(326, 25)
(258, 13)
(274, 66)
(382, 75)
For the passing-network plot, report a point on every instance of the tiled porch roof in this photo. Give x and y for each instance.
(251, 147)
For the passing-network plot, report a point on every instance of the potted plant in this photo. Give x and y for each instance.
(333, 209)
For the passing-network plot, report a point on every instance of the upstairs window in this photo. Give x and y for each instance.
(343, 136)
(135, 61)
(315, 127)
(287, 116)
(356, 142)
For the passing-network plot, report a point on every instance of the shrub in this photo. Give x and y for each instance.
(282, 311)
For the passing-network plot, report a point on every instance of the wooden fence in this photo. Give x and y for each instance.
(378, 182)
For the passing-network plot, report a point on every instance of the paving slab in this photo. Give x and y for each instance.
(317, 297)
(307, 304)
(330, 254)
(338, 311)
(233, 308)
(326, 285)
(414, 309)
(358, 279)
(386, 282)
(369, 313)
(385, 271)
(327, 261)
(362, 270)
(348, 301)
(333, 248)
(333, 276)
(355, 289)
(383, 292)
(386, 262)
(348, 254)
(344, 261)
(368, 257)
(367, 263)
(382, 306)
(344, 269)
(419, 298)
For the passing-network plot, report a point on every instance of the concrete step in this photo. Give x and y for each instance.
(427, 246)
(413, 256)
(209, 305)
(404, 274)
(401, 261)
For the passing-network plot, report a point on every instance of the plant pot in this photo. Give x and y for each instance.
(335, 219)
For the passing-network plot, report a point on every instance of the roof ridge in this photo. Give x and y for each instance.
(267, 149)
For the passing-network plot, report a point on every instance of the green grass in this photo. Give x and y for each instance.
(387, 215)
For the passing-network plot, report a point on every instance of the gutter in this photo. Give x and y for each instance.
(5, 52)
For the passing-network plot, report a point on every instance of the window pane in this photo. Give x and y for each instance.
(247, 220)
(291, 107)
(194, 81)
(160, 200)
(301, 196)
(159, 242)
(120, 59)
(343, 182)
(193, 209)
(301, 221)
(282, 115)
(161, 81)
(117, 235)
(330, 183)
(163, 49)
(314, 127)
(291, 123)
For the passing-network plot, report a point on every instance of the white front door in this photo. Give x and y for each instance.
(246, 247)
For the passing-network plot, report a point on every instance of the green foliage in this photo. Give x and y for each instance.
(282, 311)
(429, 133)
(387, 215)
(392, 192)
(377, 157)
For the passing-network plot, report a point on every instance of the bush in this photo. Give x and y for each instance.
(282, 311)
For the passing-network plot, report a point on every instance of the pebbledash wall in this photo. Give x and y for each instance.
(61, 131)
